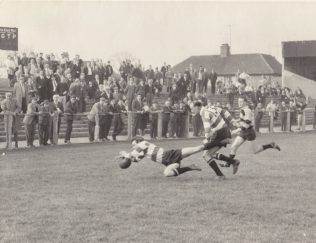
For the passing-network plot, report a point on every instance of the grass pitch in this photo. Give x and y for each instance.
(77, 193)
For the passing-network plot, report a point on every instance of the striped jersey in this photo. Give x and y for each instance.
(214, 119)
(149, 150)
(246, 117)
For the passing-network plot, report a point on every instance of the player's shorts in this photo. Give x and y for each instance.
(248, 134)
(221, 134)
(171, 156)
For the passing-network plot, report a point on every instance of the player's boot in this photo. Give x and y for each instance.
(235, 166)
(194, 167)
(275, 146)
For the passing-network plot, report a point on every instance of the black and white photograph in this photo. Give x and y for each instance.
(157, 121)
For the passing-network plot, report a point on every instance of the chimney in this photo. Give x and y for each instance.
(225, 50)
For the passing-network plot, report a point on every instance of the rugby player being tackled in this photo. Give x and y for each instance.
(217, 134)
(170, 158)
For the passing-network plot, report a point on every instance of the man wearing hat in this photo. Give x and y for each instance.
(70, 111)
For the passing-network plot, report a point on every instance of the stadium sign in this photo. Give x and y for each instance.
(8, 38)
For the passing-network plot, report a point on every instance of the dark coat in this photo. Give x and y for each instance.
(108, 71)
(70, 110)
(137, 106)
(130, 92)
(166, 112)
(42, 88)
(31, 116)
(174, 95)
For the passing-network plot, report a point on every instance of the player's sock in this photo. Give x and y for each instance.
(225, 164)
(267, 146)
(214, 166)
(222, 157)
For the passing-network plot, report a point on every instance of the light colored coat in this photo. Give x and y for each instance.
(11, 106)
(95, 110)
(18, 93)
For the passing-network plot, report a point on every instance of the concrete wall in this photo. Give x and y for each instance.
(295, 81)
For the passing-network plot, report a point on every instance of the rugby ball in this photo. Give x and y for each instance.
(125, 163)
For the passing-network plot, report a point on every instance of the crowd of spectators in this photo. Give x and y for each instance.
(44, 88)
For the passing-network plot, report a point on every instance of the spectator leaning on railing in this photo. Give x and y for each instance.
(45, 114)
(94, 115)
(58, 107)
(30, 120)
(118, 124)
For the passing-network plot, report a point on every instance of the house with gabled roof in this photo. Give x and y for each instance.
(226, 65)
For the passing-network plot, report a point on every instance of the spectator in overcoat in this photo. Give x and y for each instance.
(20, 91)
(149, 91)
(94, 115)
(44, 122)
(10, 106)
(30, 120)
(70, 111)
(166, 111)
(130, 93)
(137, 109)
(154, 121)
(118, 124)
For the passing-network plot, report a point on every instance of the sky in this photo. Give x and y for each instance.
(157, 32)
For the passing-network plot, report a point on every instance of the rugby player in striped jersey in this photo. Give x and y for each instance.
(216, 129)
(170, 158)
(245, 131)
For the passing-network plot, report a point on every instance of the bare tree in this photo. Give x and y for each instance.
(117, 58)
